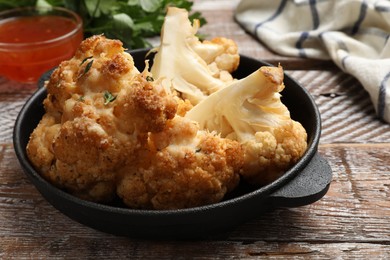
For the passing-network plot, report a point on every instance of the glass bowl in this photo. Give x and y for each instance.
(36, 39)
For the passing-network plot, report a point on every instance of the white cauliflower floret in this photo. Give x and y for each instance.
(251, 112)
(196, 69)
(221, 56)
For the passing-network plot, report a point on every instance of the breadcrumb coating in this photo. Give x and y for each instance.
(186, 168)
(269, 155)
(111, 131)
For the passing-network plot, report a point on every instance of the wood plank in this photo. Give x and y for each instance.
(13, 95)
(352, 218)
(355, 209)
(348, 115)
(120, 248)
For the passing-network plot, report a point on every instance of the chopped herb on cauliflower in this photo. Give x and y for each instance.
(115, 132)
(179, 136)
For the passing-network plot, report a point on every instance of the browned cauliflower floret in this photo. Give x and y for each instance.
(87, 156)
(110, 130)
(186, 167)
(99, 110)
(270, 154)
(145, 105)
(98, 65)
(39, 148)
(176, 137)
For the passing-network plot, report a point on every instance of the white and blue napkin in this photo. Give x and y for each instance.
(353, 33)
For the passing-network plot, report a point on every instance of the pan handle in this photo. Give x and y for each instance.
(307, 187)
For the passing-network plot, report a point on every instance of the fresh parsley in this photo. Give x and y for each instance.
(87, 68)
(84, 60)
(108, 97)
(131, 21)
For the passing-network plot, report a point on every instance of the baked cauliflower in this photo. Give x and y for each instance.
(251, 112)
(112, 131)
(184, 167)
(248, 111)
(195, 68)
(180, 135)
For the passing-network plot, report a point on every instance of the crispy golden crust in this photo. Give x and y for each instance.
(110, 130)
(196, 169)
(271, 154)
(83, 143)
(145, 106)
(39, 147)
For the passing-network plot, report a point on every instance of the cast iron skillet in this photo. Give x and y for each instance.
(306, 182)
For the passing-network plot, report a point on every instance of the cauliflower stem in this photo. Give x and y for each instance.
(250, 111)
(195, 68)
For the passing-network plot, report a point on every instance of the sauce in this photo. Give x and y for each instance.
(29, 46)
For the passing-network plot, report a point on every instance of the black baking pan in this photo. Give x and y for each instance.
(306, 182)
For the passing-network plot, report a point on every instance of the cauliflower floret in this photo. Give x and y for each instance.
(269, 155)
(87, 156)
(251, 112)
(221, 56)
(39, 147)
(179, 136)
(97, 66)
(110, 131)
(145, 106)
(196, 69)
(185, 168)
(99, 111)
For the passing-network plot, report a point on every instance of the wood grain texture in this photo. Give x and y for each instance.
(12, 98)
(352, 220)
(347, 113)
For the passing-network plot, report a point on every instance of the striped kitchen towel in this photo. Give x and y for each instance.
(353, 33)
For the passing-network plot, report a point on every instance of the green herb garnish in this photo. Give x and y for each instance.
(84, 60)
(131, 21)
(87, 68)
(108, 97)
(149, 78)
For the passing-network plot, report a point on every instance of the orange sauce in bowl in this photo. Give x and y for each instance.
(31, 45)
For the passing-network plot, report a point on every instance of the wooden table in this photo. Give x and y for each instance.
(351, 221)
